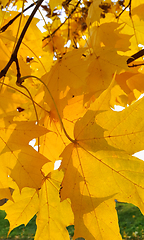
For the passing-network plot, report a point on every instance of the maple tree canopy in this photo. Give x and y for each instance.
(59, 87)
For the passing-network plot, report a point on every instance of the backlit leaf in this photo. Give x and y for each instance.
(94, 173)
(17, 156)
(54, 216)
(58, 89)
(23, 207)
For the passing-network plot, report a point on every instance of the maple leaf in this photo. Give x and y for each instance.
(55, 3)
(55, 137)
(58, 88)
(56, 80)
(54, 142)
(99, 165)
(109, 34)
(101, 67)
(138, 10)
(4, 185)
(9, 100)
(53, 214)
(23, 207)
(17, 155)
(129, 88)
(4, 2)
(133, 27)
(94, 7)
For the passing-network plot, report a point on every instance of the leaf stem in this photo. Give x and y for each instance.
(37, 119)
(2, 83)
(23, 78)
(19, 26)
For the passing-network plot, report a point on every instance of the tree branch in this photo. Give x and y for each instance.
(135, 56)
(14, 54)
(129, 5)
(73, 10)
(13, 19)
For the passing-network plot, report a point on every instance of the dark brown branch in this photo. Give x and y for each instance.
(135, 56)
(18, 72)
(73, 10)
(136, 65)
(130, 8)
(129, 5)
(18, 15)
(26, 26)
(14, 54)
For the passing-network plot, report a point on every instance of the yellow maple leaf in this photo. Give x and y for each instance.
(17, 156)
(130, 87)
(94, 12)
(55, 137)
(27, 170)
(53, 142)
(102, 65)
(133, 27)
(55, 3)
(99, 165)
(4, 184)
(108, 34)
(4, 2)
(10, 100)
(71, 90)
(65, 80)
(55, 43)
(23, 207)
(53, 216)
(138, 11)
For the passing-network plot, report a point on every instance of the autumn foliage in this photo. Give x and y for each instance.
(59, 87)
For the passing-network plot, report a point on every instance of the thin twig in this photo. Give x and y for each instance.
(13, 19)
(14, 54)
(18, 70)
(129, 5)
(135, 56)
(17, 90)
(16, 38)
(73, 10)
(37, 119)
(136, 65)
(61, 122)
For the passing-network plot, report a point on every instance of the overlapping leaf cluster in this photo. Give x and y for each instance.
(72, 76)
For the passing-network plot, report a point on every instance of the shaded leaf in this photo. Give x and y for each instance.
(17, 156)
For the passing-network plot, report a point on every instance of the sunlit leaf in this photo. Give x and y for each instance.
(54, 216)
(99, 165)
(58, 89)
(23, 207)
